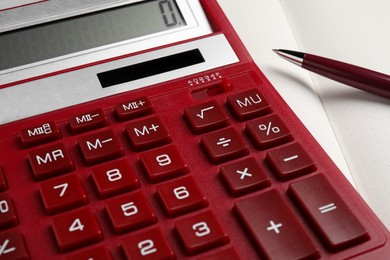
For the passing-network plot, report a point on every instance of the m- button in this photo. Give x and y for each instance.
(99, 147)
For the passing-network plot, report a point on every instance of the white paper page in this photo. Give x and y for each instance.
(355, 31)
(262, 26)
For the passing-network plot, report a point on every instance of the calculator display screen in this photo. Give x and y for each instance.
(71, 35)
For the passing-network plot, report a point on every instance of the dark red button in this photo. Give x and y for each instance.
(114, 177)
(274, 228)
(133, 108)
(147, 133)
(290, 161)
(249, 104)
(150, 244)
(62, 193)
(129, 212)
(100, 147)
(95, 253)
(334, 220)
(39, 134)
(268, 131)
(181, 196)
(12, 246)
(244, 176)
(8, 216)
(200, 232)
(76, 229)
(225, 254)
(163, 163)
(3, 181)
(205, 117)
(50, 161)
(224, 145)
(88, 121)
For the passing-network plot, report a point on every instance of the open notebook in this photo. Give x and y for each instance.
(351, 125)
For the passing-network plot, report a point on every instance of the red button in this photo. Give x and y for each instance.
(62, 193)
(114, 177)
(181, 196)
(248, 104)
(133, 108)
(163, 163)
(50, 161)
(39, 134)
(99, 147)
(129, 212)
(151, 244)
(330, 214)
(147, 133)
(96, 253)
(8, 216)
(200, 232)
(205, 117)
(273, 227)
(76, 229)
(224, 145)
(290, 161)
(244, 176)
(12, 246)
(268, 131)
(88, 121)
(225, 254)
(3, 181)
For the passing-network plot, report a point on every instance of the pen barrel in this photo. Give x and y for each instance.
(358, 77)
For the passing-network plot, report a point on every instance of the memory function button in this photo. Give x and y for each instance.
(249, 104)
(50, 161)
(205, 117)
(274, 228)
(331, 216)
(99, 147)
(133, 108)
(3, 181)
(39, 134)
(147, 133)
(88, 121)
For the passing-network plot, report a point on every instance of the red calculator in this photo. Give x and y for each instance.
(144, 130)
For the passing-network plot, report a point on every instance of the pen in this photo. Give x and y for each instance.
(354, 76)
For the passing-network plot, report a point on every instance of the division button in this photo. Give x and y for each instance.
(333, 219)
(224, 145)
(273, 227)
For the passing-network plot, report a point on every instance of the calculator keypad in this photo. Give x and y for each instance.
(140, 181)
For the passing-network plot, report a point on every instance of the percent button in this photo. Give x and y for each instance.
(268, 131)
